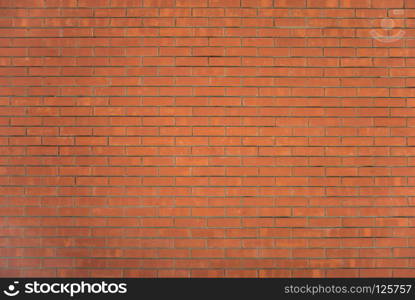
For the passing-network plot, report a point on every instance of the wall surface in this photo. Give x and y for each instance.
(207, 138)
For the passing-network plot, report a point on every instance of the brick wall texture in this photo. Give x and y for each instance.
(224, 138)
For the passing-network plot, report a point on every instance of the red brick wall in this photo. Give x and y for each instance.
(207, 138)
